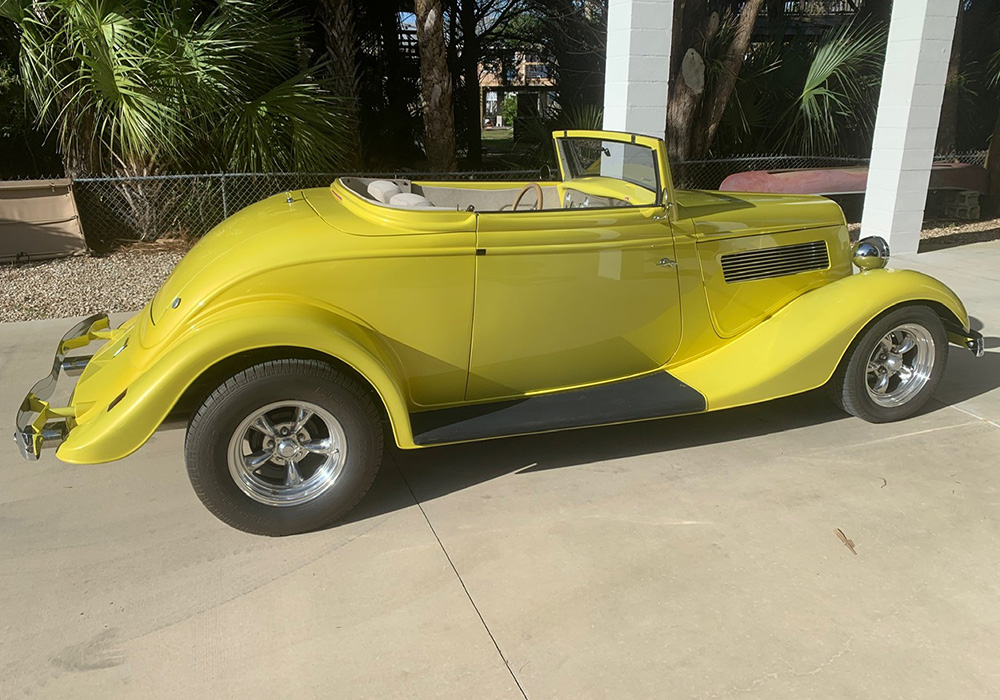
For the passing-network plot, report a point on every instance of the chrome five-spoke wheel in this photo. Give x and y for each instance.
(287, 453)
(284, 446)
(893, 367)
(900, 365)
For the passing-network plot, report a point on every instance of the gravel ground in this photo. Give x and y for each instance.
(943, 234)
(126, 279)
(120, 281)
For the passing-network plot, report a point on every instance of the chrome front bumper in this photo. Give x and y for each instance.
(40, 424)
(971, 339)
(974, 341)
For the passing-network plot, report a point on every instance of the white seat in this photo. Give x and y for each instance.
(409, 199)
(383, 190)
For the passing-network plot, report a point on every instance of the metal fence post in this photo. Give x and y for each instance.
(225, 205)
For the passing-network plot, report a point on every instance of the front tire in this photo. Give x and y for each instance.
(892, 369)
(284, 447)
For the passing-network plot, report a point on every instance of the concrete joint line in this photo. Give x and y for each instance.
(970, 414)
(465, 588)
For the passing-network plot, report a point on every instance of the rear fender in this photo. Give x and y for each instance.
(800, 346)
(160, 375)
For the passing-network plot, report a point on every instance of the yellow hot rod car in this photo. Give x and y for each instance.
(455, 311)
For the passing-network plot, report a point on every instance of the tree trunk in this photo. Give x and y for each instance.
(682, 107)
(694, 114)
(82, 157)
(470, 72)
(694, 27)
(715, 103)
(435, 87)
(337, 19)
(948, 128)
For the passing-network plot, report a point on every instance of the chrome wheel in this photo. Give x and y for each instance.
(287, 453)
(900, 365)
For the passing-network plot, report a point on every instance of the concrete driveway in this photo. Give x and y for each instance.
(686, 558)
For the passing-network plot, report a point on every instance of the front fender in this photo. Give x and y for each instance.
(799, 347)
(154, 378)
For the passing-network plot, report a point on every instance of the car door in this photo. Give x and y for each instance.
(567, 297)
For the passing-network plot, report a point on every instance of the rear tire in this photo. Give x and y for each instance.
(893, 367)
(284, 447)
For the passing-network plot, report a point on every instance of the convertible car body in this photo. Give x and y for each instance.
(454, 311)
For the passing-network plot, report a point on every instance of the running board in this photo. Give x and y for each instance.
(651, 396)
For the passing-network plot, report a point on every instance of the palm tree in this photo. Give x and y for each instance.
(813, 97)
(136, 87)
(435, 87)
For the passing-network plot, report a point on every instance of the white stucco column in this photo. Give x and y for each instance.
(916, 67)
(638, 66)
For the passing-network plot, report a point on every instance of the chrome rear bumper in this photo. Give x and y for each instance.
(40, 424)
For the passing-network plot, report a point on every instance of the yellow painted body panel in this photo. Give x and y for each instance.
(800, 346)
(725, 223)
(156, 379)
(709, 224)
(565, 299)
(737, 306)
(442, 308)
(416, 290)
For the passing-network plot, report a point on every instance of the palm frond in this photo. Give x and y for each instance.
(145, 86)
(13, 9)
(837, 91)
(297, 125)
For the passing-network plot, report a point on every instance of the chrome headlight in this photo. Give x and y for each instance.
(871, 253)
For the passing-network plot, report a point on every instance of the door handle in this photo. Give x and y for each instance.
(666, 262)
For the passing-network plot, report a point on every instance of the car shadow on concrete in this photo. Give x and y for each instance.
(967, 376)
(435, 472)
(438, 471)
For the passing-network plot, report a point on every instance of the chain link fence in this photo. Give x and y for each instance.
(821, 7)
(154, 207)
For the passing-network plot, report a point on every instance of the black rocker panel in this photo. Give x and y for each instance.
(650, 396)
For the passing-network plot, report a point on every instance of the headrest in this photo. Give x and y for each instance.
(409, 199)
(383, 190)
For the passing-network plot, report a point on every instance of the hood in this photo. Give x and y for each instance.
(720, 215)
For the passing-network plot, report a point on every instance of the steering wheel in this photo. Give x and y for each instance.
(524, 190)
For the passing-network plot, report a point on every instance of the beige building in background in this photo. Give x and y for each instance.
(529, 78)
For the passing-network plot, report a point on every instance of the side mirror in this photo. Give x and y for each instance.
(545, 173)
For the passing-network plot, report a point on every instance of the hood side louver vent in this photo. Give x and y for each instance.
(775, 262)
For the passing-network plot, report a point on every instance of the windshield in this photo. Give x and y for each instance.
(583, 157)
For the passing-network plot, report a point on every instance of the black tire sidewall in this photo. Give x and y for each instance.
(855, 398)
(211, 429)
